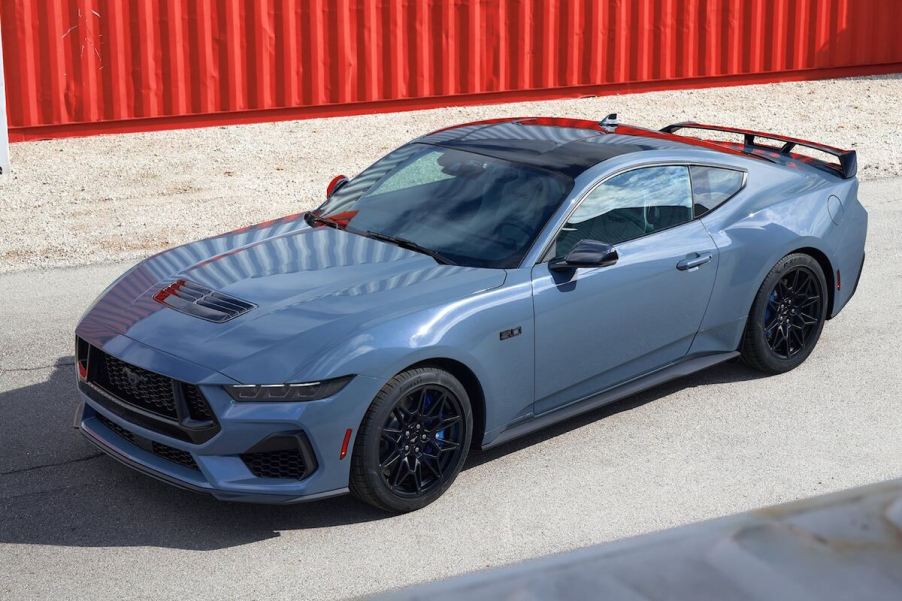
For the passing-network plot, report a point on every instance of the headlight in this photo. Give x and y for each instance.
(283, 393)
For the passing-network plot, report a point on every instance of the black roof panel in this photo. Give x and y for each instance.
(565, 146)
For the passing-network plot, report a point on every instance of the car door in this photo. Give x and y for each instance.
(598, 327)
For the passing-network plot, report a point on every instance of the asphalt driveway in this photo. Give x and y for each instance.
(77, 524)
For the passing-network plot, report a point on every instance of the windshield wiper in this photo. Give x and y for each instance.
(409, 245)
(312, 219)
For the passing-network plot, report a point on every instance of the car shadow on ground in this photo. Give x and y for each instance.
(56, 489)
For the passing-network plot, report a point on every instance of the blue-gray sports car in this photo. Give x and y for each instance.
(472, 286)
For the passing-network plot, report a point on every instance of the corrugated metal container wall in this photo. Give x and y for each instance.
(88, 66)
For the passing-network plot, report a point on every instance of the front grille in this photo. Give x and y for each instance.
(287, 463)
(159, 449)
(134, 385)
(175, 455)
(197, 404)
(151, 400)
(145, 389)
(202, 302)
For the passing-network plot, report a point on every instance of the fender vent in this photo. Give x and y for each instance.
(202, 302)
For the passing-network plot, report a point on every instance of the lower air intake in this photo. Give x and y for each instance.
(283, 456)
(276, 464)
(159, 449)
(174, 455)
(116, 428)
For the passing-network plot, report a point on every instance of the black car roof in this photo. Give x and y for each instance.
(568, 146)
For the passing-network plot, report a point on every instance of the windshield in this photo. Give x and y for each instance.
(471, 209)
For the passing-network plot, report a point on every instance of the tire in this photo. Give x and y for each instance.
(413, 440)
(787, 316)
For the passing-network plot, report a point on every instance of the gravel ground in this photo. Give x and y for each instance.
(76, 525)
(120, 197)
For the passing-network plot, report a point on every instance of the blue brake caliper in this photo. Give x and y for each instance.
(427, 402)
(769, 312)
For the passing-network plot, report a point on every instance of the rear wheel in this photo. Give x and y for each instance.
(413, 440)
(787, 316)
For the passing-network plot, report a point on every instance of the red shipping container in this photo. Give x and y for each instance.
(76, 67)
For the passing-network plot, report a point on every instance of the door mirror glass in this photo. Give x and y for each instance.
(337, 182)
(586, 253)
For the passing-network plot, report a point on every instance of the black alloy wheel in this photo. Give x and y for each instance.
(421, 440)
(787, 315)
(413, 440)
(793, 312)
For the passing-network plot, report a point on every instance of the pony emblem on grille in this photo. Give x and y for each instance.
(134, 378)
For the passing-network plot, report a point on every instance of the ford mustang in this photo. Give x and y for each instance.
(472, 286)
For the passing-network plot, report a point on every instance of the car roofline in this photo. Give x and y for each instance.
(597, 126)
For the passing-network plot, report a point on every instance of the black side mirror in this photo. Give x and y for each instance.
(337, 182)
(586, 253)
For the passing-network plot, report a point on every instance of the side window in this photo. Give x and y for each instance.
(712, 186)
(629, 206)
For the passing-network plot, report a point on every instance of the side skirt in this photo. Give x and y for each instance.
(671, 372)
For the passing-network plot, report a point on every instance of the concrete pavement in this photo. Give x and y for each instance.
(74, 524)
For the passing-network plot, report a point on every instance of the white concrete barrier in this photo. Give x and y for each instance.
(833, 547)
(4, 131)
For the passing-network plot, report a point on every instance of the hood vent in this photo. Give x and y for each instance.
(202, 302)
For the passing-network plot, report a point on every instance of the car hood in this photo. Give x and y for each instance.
(312, 287)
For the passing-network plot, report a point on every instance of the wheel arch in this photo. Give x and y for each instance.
(472, 385)
(827, 267)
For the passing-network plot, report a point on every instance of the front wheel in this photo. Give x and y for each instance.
(787, 316)
(413, 440)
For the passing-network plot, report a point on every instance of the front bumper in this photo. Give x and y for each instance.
(216, 466)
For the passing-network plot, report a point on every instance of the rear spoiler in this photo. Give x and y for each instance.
(848, 160)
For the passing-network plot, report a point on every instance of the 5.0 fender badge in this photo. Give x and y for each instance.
(505, 334)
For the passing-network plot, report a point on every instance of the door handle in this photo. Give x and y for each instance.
(687, 264)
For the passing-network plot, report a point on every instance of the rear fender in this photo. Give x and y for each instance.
(754, 234)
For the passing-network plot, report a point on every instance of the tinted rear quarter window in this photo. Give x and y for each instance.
(712, 186)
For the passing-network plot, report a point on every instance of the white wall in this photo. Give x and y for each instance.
(4, 133)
